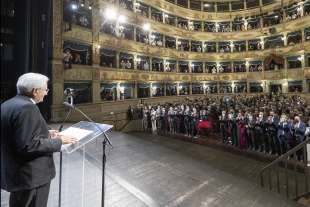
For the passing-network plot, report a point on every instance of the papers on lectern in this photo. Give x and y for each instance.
(76, 133)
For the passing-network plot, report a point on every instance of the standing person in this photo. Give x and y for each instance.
(27, 146)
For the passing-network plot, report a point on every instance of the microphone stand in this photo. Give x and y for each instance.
(60, 158)
(104, 142)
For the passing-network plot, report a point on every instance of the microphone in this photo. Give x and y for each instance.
(69, 105)
(69, 92)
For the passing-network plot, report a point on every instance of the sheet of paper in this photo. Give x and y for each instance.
(76, 132)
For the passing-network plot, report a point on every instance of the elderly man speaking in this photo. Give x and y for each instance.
(27, 145)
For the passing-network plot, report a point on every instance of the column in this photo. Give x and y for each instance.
(188, 4)
(135, 61)
(135, 34)
(304, 86)
(266, 87)
(247, 66)
(204, 67)
(151, 90)
(285, 38)
(190, 67)
(190, 88)
(204, 88)
(95, 35)
(232, 87)
(151, 64)
(165, 88)
(303, 61)
(244, 4)
(262, 43)
(285, 86)
(217, 46)
(218, 87)
(248, 87)
(164, 41)
(117, 59)
(118, 91)
(231, 45)
(135, 94)
(164, 20)
(303, 35)
(246, 45)
(150, 12)
(96, 90)
(177, 66)
(57, 64)
(178, 90)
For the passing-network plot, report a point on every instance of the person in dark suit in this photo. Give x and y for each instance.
(27, 144)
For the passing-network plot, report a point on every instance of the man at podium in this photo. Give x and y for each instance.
(27, 145)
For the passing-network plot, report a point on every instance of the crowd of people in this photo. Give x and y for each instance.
(270, 124)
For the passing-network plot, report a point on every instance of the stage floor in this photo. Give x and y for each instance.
(148, 170)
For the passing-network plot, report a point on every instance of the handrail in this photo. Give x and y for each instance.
(285, 155)
(273, 167)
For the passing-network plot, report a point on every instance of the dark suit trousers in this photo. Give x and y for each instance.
(36, 197)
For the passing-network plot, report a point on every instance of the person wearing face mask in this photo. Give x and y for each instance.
(153, 120)
(187, 119)
(299, 132)
(259, 131)
(250, 131)
(223, 119)
(299, 129)
(234, 129)
(193, 123)
(170, 120)
(272, 146)
(157, 118)
(283, 133)
(241, 131)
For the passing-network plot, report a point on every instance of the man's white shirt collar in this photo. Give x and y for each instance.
(31, 99)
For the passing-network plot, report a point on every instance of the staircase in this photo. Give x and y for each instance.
(289, 176)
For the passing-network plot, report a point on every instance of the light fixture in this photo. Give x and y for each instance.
(110, 13)
(276, 16)
(166, 15)
(122, 19)
(217, 24)
(300, 58)
(206, 5)
(89, 7)
(74, 6)
(82, 5)
(146, 27)
(122, 88)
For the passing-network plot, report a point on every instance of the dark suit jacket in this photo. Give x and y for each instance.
(26, 148)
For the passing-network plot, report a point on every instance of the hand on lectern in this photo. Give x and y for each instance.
(54, 133)
(67, 139)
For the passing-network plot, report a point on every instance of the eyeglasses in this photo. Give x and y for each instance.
(46, 90)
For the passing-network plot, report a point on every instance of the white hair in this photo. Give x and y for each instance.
(29, 81)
